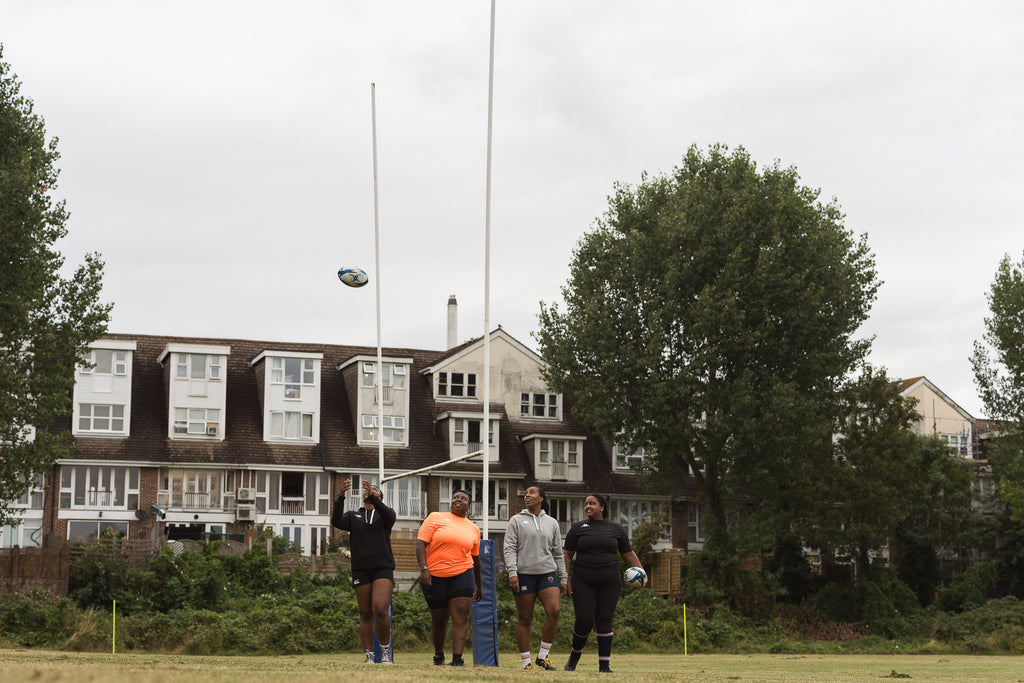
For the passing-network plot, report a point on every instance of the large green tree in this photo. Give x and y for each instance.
(47, 319)
(710, 316)
(998, 362)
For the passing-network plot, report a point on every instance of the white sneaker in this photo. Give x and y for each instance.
(369, 656)
(385, 655)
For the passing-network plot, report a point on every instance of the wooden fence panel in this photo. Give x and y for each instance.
(25, 569)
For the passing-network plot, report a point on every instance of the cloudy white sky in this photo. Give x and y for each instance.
(218, 154)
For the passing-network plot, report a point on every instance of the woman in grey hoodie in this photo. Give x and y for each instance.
(536, 567)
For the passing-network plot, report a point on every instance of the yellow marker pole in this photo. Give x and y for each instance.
(684, 630)
(113, 635)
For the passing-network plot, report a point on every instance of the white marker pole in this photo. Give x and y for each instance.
(486, 427)
(379, 383)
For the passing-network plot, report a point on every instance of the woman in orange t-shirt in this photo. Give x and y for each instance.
(448, 550)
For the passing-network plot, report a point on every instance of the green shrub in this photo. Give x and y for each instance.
(994, 627)
(37, 619)
(970, 589)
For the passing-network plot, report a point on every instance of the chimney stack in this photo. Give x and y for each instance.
(453, 321)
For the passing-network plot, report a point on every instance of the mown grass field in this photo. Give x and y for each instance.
(38, 665)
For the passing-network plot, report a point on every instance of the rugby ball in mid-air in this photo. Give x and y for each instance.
(353, 277)
(635, 577)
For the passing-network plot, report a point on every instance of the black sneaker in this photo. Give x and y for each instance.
(604, 668)
(457, 661)
(438, 660)
(545, 664)
(574, 659)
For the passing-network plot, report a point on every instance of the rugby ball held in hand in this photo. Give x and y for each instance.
(353, 277)
(635, 577)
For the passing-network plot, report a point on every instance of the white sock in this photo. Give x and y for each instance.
(545, 648)
(526, 658)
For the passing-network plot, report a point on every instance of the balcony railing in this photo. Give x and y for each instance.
(293, 506)
(99, 498)
(195, 501)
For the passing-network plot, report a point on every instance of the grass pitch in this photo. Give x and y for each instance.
(38, 665)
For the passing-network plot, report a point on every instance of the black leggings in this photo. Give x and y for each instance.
(595, 593)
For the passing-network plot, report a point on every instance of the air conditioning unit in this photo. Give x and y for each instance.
(211, 430)
(246, 495)
(245, 513)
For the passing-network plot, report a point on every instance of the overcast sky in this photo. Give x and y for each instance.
(218, 154)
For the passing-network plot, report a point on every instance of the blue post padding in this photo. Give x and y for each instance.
(485, 612)
(376, 641)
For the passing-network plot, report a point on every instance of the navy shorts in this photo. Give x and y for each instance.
(444, 588)
(535, 583)
(363, 577)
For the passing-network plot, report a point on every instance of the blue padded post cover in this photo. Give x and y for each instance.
(485, 612)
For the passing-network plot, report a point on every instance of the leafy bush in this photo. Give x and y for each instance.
(969, 590)
(996, 626)
(37, 619)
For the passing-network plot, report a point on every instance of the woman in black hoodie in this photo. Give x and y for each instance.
(373, 564)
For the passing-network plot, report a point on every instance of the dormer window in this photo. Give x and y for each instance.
(467, 432)
(95, 417)
(197, 421)
(538, 405)
(557, 459)
(293, 373)
(625, 460)
(394, 375)
(199, 366)
(291, 425)
(394, 428)
(106, 362)
(456, 384)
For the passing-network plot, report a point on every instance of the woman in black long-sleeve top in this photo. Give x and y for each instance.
(373, 564)
(592, 548)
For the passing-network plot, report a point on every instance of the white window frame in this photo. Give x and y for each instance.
(25, 533)
(101, 527)
(460, 430)
(394, 374)
(623, 460)
(533, 402)
(406, 496)
(91, 417)
(105, 487)
(209, 418)
(446, 385)
(190, 489)
(695, 529)
(394, 429)
(304, 375)
(305, 419)
(186, 364)
(117, 362)
(562, 457)
(32, 499)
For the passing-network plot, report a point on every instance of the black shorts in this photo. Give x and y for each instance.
(363, 577)
(444, 588)
(535, 583)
